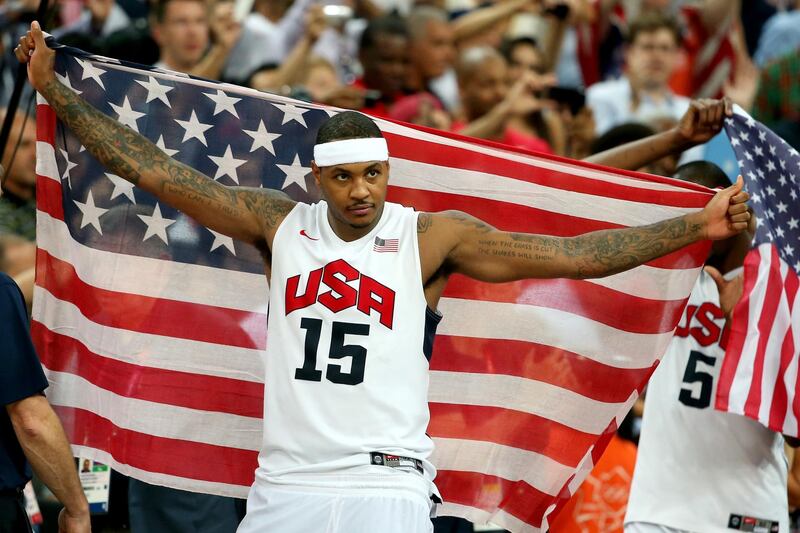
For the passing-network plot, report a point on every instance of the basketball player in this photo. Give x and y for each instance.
(698, 469)
(350, 330)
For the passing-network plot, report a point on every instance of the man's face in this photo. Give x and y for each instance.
(652, 57)
(484, 88)
(183, 34)
(22, 174)
(386, 64)
(355, 192)
(433, 52)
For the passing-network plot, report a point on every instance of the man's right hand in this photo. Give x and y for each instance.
(40, 59)
(74, 523)
(703, 120)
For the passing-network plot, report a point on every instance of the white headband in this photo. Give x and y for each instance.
(351, 151)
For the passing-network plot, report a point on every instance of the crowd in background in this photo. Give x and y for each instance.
(564, 77)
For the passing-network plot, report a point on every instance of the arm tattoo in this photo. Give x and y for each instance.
(134, 158)
(602, 253)
(424, 221)
(596, 254)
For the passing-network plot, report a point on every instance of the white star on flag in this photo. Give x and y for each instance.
(222, 240)
(91, 71)
(262, 138)
(223, 102)
(155, 91)
(194, 129)
(156, 225)
(160, 143)
(227, 165)
(91, 213)
(793, 222)
(292, 112)
(127, 115)
(121, 186)
(295, 173)
(69, 166)
(65, 81)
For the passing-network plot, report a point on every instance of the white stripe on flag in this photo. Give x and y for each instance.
(155, 351)
(514, 464)
(524, 395)
(744, 370)
(772, 357)
(156, 278)
(495, 320)
(46, 166)
(166, 480)
(416, 175)
(158, 419)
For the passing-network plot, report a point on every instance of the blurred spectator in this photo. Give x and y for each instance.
(489, 104)
(422, 109)
(101, 18)
(643, 94)
(780, 35)
(182, 30)
(384, 57)
(18, 203)
(778, 96)
(432, 48)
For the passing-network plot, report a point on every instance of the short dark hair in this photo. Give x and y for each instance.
(391, 24)
(703, 173)
(161, 8)
(348, 125)
(652, 21)
(622, 134)
(508, 45)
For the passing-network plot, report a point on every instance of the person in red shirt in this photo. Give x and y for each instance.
(383, 53)
(490, 101)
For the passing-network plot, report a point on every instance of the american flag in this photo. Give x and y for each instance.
(759, 375)
(386, 245)
(151, 327)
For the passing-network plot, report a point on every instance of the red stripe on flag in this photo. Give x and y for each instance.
(505, 215)
(447, 156)
(511, 428)
(185, 389)
(780, 396)
(771, 299)
(488, 493)
(738, 331)
(582, 298)
(48, 197)
(144, 314)
(188, 459)
(539, 362)
(45, 124)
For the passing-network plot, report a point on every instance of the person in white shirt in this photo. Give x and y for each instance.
(643, 94)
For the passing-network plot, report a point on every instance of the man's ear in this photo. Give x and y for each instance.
(316, 171)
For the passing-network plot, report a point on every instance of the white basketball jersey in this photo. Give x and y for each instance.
(346, 366)
(699, 469)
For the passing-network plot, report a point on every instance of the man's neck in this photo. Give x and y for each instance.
(348, 233)
(655, 93)
(415, 81)
(172, 64)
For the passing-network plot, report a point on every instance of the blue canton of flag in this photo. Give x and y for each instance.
(236, 141)
(771, 169)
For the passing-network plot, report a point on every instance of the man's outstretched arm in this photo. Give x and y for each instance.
(487, 254)
(248, 214)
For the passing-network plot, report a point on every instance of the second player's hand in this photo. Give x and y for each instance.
(40, 59)
(703, 120)
(726, 214)
(730, 291)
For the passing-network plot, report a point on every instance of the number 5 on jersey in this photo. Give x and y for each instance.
(338, 350)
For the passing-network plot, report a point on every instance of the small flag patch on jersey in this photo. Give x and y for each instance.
(386, 245)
